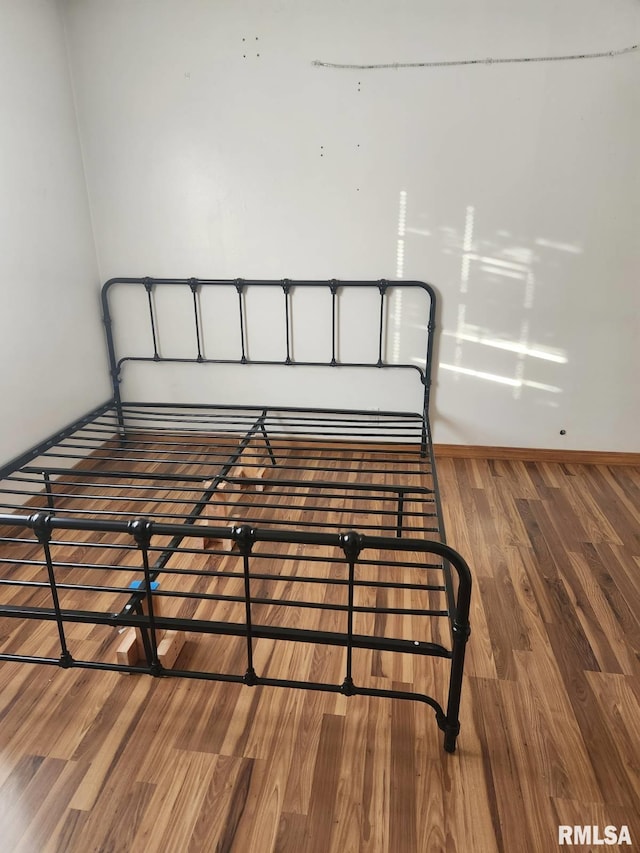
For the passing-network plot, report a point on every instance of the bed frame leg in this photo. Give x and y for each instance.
(450, 737)
(451, 724)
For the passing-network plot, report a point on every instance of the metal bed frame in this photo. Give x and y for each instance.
(242, 521)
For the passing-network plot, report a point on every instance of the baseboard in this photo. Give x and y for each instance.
(534, 454)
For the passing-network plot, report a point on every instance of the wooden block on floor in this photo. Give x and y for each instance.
(127, 651)
(169, 643)
(131, 648)
(219, 504)
(214, 543)
(253, 474)
(170, 647)
(218, 510)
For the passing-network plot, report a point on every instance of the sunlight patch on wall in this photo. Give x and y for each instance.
(402, 224)
(502, 380)
(397, 315)
(467, 246)
(533, 351)
(561, 247)
(503, 276)
(397, 323)
(501, 273)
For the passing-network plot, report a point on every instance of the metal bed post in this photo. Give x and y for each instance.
(114, 370)
(461, 631)
(239, 285)
(351, 545)
(41, 523)
(333, 287)
(286, 287)
(426, 376)
(141, 530)
(48, 490)
(244, 539)
(194, 285)
(383, 284)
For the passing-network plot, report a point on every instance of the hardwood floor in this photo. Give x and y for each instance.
(96, 761)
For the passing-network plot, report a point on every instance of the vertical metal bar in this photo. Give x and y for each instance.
(461, 633)
(351, 545)
(247, 605)
(240, 289)
(42, 528)
(266, 437)
(155, 663)
(148, 286)
(244, 538)
(138, 609)
(47, 486)
(425, 440)
(431, 328)
(194, 284)
(113, 364)
(349, 675)
(460, 630)
(333, 286)
(382, 287)
(286, 286)
(141, 530)
(400, 514)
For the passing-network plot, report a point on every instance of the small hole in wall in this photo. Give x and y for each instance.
(563, 432)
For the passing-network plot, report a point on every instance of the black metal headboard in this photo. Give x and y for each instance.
(244, 289)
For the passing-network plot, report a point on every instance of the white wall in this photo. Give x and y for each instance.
(215, 148)
(53, 364)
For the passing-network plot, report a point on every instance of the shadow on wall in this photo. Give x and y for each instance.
(508, 294)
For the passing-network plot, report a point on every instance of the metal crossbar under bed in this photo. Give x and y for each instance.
(218, 540)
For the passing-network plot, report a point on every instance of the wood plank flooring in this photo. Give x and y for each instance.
(96, 761)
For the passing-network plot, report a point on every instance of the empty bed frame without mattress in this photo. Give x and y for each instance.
(268, 545)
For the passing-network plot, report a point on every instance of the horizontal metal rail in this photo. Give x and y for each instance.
(40, 449)
(235, 629)
(192, 478)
